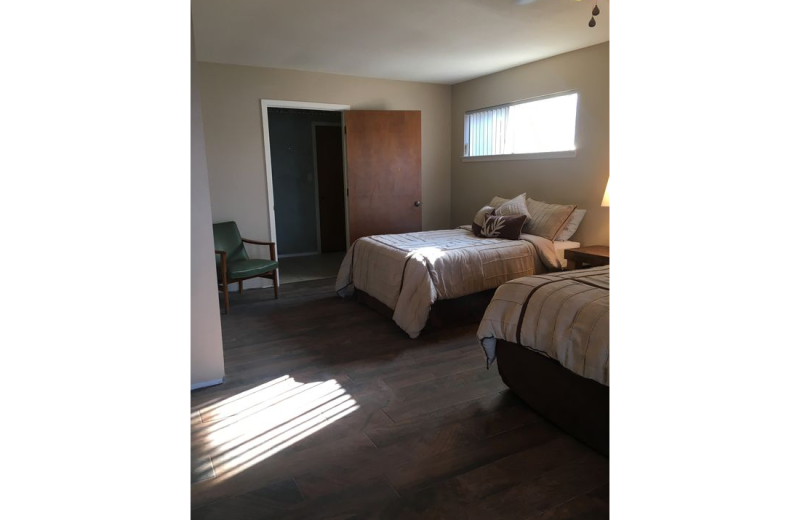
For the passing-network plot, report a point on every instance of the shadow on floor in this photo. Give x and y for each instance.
(313, 267)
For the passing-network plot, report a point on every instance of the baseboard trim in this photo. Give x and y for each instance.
(292, 255)
(204, 384)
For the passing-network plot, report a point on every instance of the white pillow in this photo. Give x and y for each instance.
(515, 206)
(571, 225)
(546, 219)
(497, 202)
(480, 216)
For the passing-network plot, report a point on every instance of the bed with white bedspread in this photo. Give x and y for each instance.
(409, 272)
(564, 316)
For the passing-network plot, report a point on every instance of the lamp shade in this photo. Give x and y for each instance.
(606, 197)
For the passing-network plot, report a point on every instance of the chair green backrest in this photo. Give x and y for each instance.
(228, 239)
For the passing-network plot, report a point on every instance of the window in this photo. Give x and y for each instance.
(540, 126)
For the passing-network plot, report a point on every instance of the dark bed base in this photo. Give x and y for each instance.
(577, 405)
(467, 309)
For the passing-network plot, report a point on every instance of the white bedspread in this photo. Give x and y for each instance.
(410, 271)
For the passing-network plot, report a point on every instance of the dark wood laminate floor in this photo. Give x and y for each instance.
(330, 411)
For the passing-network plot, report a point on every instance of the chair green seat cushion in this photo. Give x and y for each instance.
(253, 267)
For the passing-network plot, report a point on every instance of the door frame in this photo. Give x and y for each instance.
(266, 104)
(314, 125)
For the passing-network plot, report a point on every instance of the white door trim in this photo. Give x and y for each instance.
(277, 103)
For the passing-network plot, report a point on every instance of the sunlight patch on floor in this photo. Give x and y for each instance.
(243, 430)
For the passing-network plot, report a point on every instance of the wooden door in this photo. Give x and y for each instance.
(330, 186)
(384, 170)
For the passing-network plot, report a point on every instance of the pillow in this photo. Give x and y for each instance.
(515, 206)
(497, 202)
(480, 218)
(571, 225)
(546, 220)
(498, 226)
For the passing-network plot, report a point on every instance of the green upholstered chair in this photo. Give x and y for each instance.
(233, 263)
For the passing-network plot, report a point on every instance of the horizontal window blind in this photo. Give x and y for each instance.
(537, 126)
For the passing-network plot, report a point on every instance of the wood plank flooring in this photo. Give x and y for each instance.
(329, 410)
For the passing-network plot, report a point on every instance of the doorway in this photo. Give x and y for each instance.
(380, 190)
(307, 163)
(327, 150)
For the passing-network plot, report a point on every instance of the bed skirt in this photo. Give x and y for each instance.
(467, 309)
(577, 405)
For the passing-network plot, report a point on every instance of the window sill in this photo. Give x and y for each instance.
(568, 154)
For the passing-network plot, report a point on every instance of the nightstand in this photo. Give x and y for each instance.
(589, 256)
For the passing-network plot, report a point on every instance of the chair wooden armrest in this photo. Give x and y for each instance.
(272, 255)
(259, 242)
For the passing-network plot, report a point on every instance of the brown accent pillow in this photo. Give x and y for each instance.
(499, 226)
(480, 218)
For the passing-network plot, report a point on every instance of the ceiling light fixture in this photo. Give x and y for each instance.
(595, 12)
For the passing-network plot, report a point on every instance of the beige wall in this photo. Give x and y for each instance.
(452, 190)
(235, 147)
(207, 362)
(580, 180)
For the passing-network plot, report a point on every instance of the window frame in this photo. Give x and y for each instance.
(563, 154)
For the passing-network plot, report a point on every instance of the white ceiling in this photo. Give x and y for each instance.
(438, 41)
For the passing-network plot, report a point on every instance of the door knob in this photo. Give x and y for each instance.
(417, 203)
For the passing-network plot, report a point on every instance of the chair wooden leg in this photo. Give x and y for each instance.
(275, 282)
(224, 272)
(240, 286)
